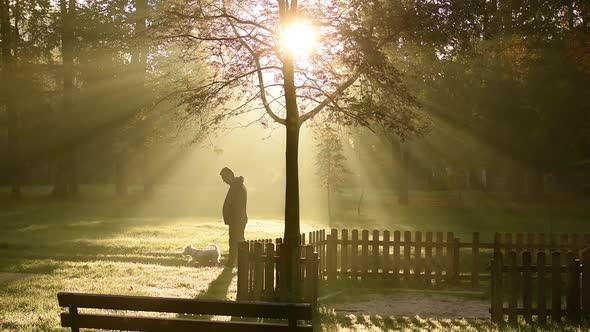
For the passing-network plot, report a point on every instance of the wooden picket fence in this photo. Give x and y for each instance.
(260, 269)
(526, 287)
(424, 256)
(381, 255)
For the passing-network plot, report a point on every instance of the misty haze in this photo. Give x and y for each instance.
(294, 165)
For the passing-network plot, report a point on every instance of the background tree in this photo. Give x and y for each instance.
(10, 35)
(330, 163)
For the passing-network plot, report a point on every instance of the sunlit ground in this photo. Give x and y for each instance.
(104, 245)
(100, 243)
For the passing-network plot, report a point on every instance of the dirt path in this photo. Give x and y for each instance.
(425, 305)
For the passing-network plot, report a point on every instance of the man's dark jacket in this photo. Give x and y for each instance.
(234, 206)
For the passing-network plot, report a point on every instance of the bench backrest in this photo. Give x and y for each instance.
(292, 312)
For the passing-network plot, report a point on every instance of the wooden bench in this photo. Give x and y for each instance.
(75, 320)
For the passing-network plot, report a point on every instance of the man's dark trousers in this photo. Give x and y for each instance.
(236, 234)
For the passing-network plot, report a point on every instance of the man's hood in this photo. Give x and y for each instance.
(238, 180)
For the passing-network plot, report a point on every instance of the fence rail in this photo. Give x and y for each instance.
(528, 288)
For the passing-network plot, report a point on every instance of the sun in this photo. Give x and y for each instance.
(298, 39)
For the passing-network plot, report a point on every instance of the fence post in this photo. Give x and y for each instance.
(251, 265)
(541, 300)
(269, 272)
(330, 255)
(527, 299)
(243, 252)
(300, 259)
(450, 274)
(428, 259)
(325, 250)
(396, 254)
(456, 257)
(386, 258)
(299, 272)
(475, 256)
(418, 256)
(407, 254)
(258, 271)
(512, 287)
(439, 257)
(321, 249)
(375, 268)
(344, 263)
(573, 288)
(309, 280)
(497, 298)
(555, 287)
(364, 253)
(354, 253)
(314, 270)
(334, 258)
(586, 283)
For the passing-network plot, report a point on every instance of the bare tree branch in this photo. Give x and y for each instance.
(260, 78)
(327, 101)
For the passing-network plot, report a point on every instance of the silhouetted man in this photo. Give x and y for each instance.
(234, 211)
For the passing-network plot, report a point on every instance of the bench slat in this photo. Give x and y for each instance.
(157, 324)
(298, 311)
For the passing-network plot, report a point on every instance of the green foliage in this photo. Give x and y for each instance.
(330, 160)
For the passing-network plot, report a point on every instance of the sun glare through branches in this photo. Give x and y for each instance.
(298, 39)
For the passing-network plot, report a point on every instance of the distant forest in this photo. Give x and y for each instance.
(95, 92)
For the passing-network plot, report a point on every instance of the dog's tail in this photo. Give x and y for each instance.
(214, 246)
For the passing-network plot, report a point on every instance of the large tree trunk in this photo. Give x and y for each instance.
(12, 137)
(292, 228)
(139, 64)
(66, 178)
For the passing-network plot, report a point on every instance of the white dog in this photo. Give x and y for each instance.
(202, 256)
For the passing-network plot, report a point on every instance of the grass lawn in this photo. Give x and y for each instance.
(464, 213)
(127, 246)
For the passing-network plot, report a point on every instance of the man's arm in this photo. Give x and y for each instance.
(243, 203)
